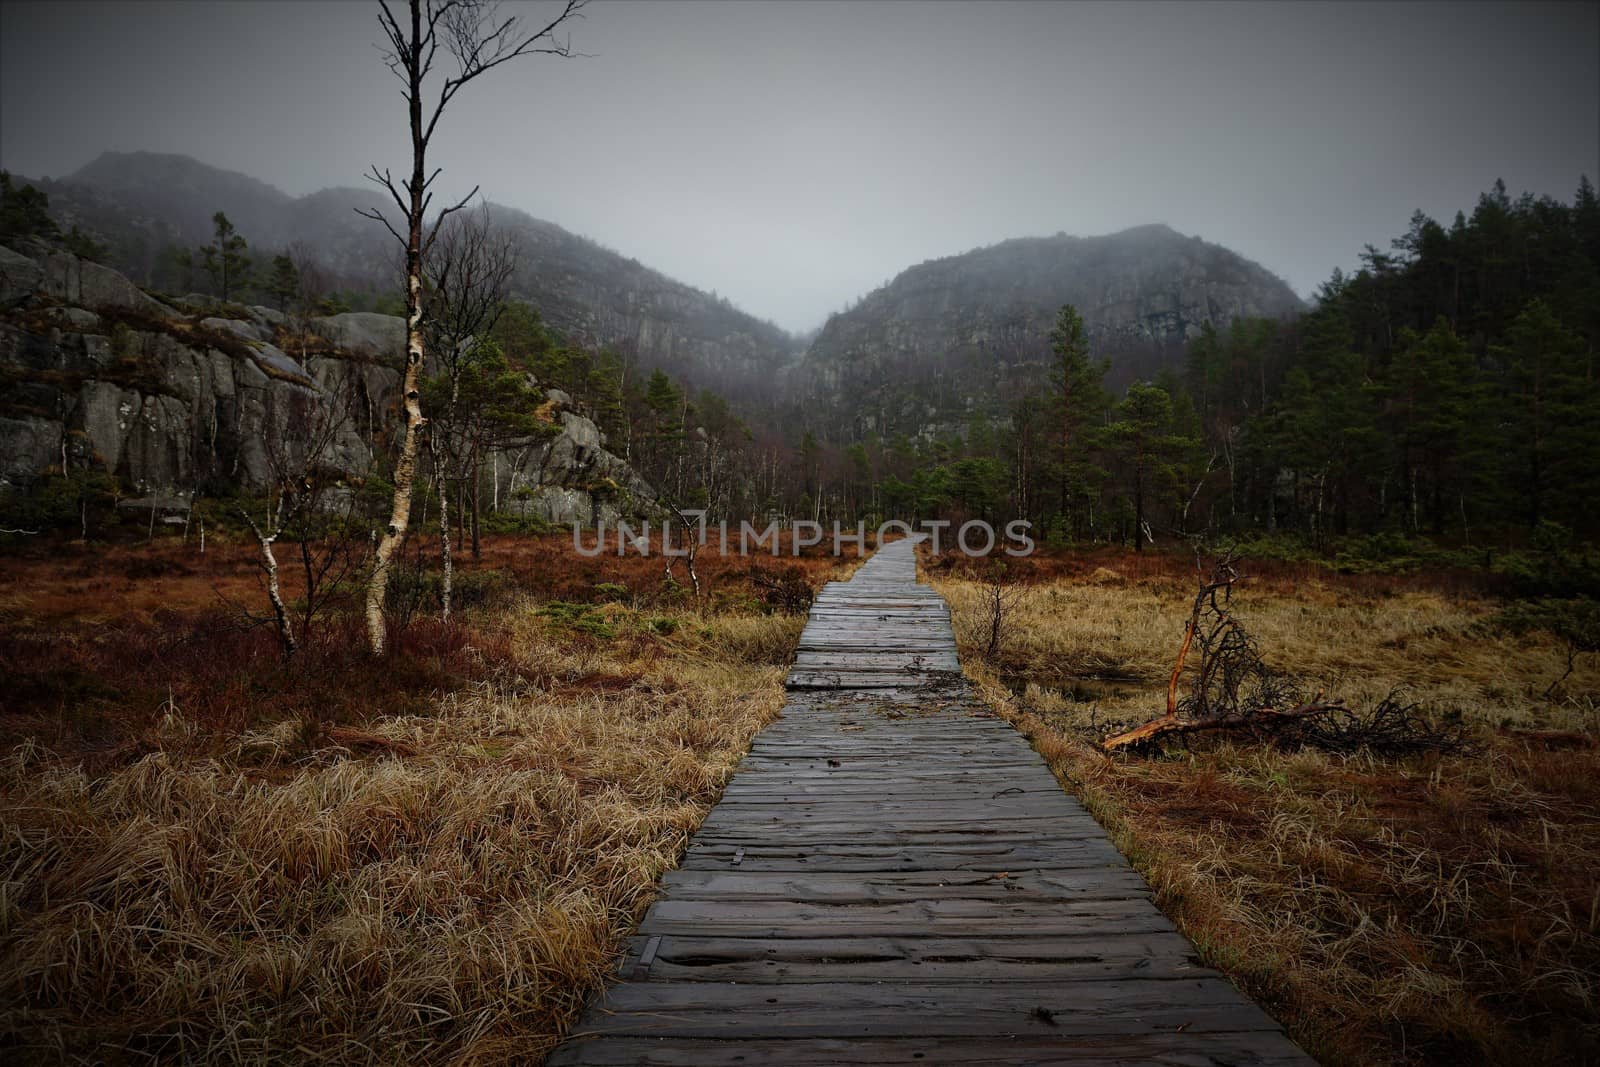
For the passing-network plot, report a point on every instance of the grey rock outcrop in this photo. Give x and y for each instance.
(85, 284)
(571, 478)
(175, 405)
(19, 277)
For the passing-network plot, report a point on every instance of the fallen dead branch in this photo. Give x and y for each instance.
(1233, 689)
(1236, 692)
(1259, 722)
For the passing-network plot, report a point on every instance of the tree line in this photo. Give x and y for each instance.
(1445, 388)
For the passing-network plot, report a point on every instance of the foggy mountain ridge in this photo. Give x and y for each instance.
(143, 205)
(934, 345)
(942, 341)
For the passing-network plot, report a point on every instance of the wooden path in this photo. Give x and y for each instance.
(894, 876)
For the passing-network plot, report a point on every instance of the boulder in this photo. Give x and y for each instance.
(19, 277)
(86, 284)
(75, 320)
(28, 447)
(365, 333)
(104, 413)
(247, 331)
(583, 435)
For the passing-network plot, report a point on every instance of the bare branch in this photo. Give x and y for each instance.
(375, 214)
(468, 273)
(439, 222)
(479, 50)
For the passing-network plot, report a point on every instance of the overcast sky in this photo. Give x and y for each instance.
(792, 156)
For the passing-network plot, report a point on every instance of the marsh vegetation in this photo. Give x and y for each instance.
(1419, 909)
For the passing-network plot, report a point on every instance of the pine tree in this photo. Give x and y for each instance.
(283, 284)
(1147, 440)
(1080, 404)
(604, 395)
(664, 431)
(24, 212)
(1430, 383)
(1550, 410)
(225, 258)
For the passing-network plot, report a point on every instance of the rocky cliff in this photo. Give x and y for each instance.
(945, 339)
(183, 400)
(142, 204)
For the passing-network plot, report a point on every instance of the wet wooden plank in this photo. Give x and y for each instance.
(1088, 956)
(921, 884)
(1186, 1049)
(903, 1009)
(762, 918)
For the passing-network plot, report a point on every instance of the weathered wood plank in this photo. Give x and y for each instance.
(921, 884)
(818, 1009)
(781, 918)
(995, 858)
(691, 950)
(1185, 1049)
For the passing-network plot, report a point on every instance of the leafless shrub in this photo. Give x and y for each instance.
(787, 591)
(1000, 597)
(1235, 692)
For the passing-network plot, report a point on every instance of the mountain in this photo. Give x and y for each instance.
(943, 342)
(143, 205)
(960, 337)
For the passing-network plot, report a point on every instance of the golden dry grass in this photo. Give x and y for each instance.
(1388, 911)
(444, 887)
(1120, 637)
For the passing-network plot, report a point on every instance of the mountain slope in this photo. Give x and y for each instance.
(144, 204)
(960, 336)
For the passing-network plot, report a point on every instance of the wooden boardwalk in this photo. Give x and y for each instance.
(894, 876)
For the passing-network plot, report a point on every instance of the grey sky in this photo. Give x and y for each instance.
(793, 156)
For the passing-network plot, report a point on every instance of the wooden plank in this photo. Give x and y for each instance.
(900, 1009)
(935, 837)
(1001, 862)
(937, 917)
(1186, 1049)
(954, 970)
(921, 884)
(705, 958)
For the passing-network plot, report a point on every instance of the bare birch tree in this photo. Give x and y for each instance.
(309, 427)
(475, 38)
(467, 279)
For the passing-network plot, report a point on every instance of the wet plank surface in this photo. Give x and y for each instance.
(895, 876)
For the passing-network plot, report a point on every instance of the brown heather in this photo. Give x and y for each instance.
(1428, 910)
(441, 884)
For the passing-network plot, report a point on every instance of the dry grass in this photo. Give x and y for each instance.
(444, 882)
(1417, 911)
(97, 642)
(1113, 637)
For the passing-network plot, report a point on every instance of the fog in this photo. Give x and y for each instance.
(793, 156)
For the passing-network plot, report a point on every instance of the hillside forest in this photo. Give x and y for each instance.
(1447, 388)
